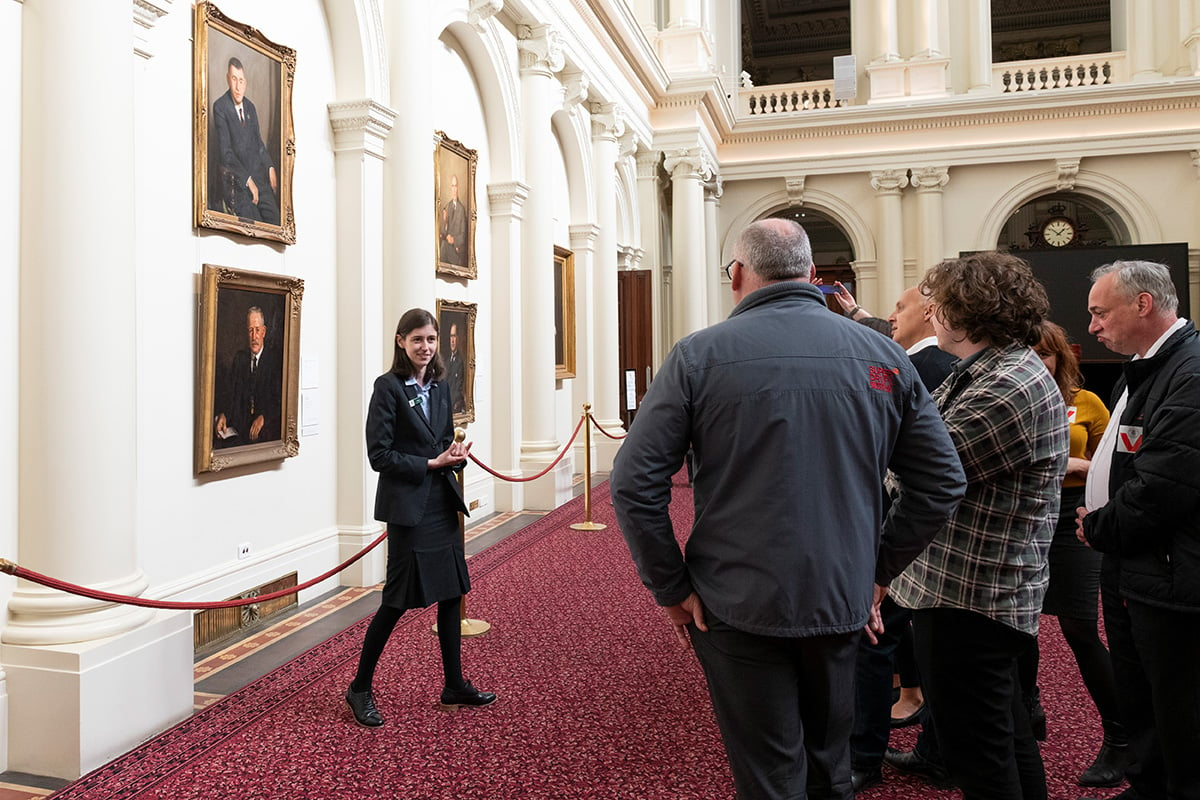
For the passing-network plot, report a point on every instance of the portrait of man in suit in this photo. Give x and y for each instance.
(248, 179)
(453, 235)
(248, 407)
(456, 371)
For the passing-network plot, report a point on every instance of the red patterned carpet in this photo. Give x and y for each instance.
(596, 701)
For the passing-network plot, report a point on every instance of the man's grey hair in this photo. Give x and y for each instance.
(776, 249)
(1131, 278)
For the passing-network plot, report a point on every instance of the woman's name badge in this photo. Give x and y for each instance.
(416, 401)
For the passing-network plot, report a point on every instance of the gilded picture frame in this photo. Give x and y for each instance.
(245, 142)
(454, 208)
(564, 313)
(456, 329)
(248, 376)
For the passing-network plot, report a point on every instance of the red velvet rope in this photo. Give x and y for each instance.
(606, 433)
(109, 597)
(553, 463)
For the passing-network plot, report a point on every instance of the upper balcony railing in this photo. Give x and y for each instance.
(782, 98)
(1010, 77)
(1092, 69)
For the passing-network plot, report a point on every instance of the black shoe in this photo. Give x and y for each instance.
(1109, 767)
(466, 696)
(865, 778)
(914, 763)
(363, 706)
(911, 719)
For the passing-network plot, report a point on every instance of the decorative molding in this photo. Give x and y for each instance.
(628, 143)
(506, 199)
(713, 190)
(629, 257)
(689, 162)
(889, 181)
(361, 125)
(584, 237)
(930, 179)
(575, 88)
(795, 189)
(1068, 171)
(146, 15)
(483, 10)
(540, 48)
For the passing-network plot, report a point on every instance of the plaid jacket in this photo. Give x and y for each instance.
(1008, 421)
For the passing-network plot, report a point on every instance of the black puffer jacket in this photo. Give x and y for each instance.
(1150, 528)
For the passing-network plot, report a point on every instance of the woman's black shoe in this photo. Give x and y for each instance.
(363, 706)
(1109, 767)
(466, 696)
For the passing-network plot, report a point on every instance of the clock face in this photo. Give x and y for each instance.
(1058, 232)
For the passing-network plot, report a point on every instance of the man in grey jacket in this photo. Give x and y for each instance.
(786, 563)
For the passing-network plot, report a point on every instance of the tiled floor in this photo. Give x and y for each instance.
(235, 664)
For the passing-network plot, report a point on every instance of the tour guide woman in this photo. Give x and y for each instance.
(410, 443)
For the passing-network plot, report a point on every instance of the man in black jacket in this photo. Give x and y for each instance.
(1143, 513)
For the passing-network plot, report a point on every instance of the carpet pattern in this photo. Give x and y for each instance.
(597, 700)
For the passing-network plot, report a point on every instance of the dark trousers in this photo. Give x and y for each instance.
(968, 666)
(784, 707)
(1156, 662)
(873, 687)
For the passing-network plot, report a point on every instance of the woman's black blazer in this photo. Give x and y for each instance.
(399, 444)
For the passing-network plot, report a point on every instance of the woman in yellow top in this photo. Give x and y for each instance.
(1072, 595)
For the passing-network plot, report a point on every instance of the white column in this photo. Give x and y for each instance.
(78, 382)
(684, 14)
(360, 131)
(505, 202)
(689, 170)
(607, 128)
(1190, 14)
(926, 35)
(589, 346)
(929, 182)
(979, 46)
(650, 209)
(1141, 35)
(541, 56)
(712, 249)
(409, 277)
(890, 251)
(10, 282)
(887, 30)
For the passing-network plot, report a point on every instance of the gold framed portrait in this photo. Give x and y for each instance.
(248, 381)
(564, 313)
(456, 340)
(245, 144)
(454, 208)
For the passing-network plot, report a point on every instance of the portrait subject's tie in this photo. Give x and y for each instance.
(241, 116)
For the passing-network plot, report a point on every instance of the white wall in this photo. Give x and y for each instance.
(189, 527)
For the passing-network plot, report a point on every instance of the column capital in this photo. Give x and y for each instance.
(795, 189)
(629, 257)
(689, 162)
(575, 88)
(889, 181)
(584, 236)
(361, 125)
(506, 199)
(930, 179)
(628, 143)
(713, 189)
(1068, 171)
(483, 10)
(608, 121)
(647, 163)
(540, 49)
(1195, 154)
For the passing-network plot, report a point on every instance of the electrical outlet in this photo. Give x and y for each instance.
(243, 550)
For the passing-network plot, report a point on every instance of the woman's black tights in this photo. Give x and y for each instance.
(449, 641)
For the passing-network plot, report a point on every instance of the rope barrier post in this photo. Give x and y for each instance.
(587, 524)
(468, 627)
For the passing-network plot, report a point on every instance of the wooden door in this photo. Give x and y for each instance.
(636, 323)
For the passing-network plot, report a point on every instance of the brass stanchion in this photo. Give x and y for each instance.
(468, 626)
(587, 524)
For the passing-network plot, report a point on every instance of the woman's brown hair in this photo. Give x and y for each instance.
(1066, 365)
